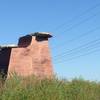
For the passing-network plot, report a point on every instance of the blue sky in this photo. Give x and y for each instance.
(66, 20)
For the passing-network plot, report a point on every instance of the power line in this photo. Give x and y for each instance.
(77, 48)
(75, 25)
(94, 51)
(77, 37)
(81, 22)
(77, 17)
(78, 51)
(82, 35)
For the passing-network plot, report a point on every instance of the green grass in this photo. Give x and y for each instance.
(31, 88)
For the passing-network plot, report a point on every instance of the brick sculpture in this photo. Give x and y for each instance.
(30, 57)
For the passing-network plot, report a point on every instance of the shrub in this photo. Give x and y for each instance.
(32, 88)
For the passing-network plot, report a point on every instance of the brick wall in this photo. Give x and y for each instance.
(31, 57)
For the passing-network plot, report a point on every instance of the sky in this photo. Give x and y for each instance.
(74, 24)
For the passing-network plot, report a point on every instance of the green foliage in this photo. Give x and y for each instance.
(32, 88)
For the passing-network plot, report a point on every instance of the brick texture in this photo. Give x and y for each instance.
(31, 57)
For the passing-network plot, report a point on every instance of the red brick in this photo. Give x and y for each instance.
(31, 58)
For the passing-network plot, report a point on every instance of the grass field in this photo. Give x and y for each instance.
(31, 88)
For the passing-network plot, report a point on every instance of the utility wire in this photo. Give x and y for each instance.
(81, 22)
(85, 54)
(76, 38)
(77, 48)
(73, 26)
(77, 17)
(85, 49)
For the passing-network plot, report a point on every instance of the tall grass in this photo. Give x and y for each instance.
(32, 88)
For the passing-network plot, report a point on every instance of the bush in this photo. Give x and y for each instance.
(32, 88)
